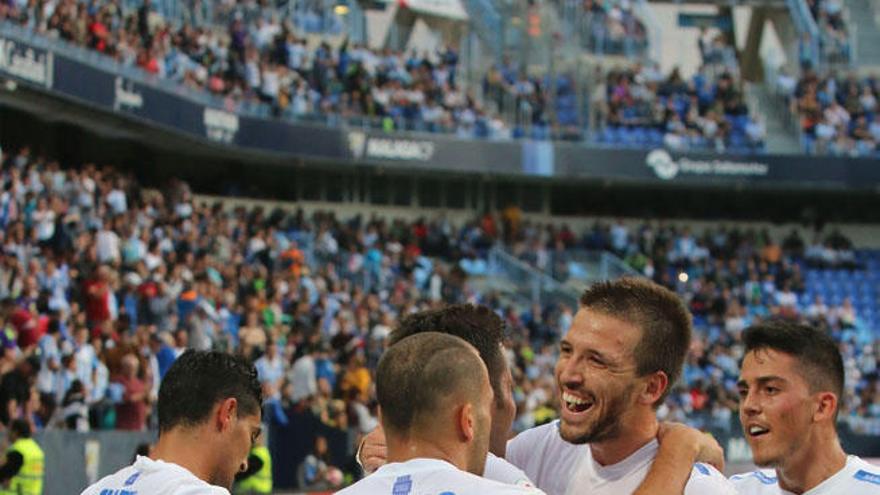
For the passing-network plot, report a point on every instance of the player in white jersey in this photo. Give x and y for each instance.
(856, 478)
(435, 404)
(624, 350)
(557, 466)
(680, 446)
(209, 418)
(483, 329)
(790, 386)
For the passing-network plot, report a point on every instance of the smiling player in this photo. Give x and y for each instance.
(625, 349)
(790, 387)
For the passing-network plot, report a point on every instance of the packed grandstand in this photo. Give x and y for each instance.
(262, 56)
(105, 282)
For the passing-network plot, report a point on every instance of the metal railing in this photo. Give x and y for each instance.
(806, 24)
(528, 282)
(591, 30)
(823, 51)
(588, 266)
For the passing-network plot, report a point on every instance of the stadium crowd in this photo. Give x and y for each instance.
(837, 112)
(640, 105)
(263, 58)
(263, 61)
(103, 284)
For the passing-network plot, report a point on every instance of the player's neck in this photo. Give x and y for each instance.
(186, 449)
(403, 450)
(815, 463)
(633, 436)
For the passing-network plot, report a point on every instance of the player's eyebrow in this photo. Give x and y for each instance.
(762, 380)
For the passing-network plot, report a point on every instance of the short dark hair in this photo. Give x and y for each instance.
(658, 312)
(815, 350)
(200, 379)
(416, 375)
(479, 326)
(21, 428)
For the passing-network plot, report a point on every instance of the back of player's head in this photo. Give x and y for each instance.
(479, 326)
(421, 374)
(817, 354)
(658, 312)
(199, 380)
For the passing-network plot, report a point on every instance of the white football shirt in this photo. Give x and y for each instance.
(561, 468)
(498, 469)
(856, 478)
(147, 476)
(423, 476)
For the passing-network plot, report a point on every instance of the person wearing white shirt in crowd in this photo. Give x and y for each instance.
(818, 309)
(209, 419)
(625, 349)
(484, 330)
(107, 244)
(435, 405)
(270, 369)
(790, 385)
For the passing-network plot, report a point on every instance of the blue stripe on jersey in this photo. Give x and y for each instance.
(763, 478)
(863, 475)
(702, 469)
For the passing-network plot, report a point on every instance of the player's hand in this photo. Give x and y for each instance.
(373, 453)
(703, 445)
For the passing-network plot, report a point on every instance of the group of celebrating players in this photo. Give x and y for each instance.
(446, 410)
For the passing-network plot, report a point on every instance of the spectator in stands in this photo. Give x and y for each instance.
(316, 473)
(131, 412)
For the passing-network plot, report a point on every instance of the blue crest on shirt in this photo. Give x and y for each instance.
(702, 468)
(402, 485)
(131, 479)
(863, 475)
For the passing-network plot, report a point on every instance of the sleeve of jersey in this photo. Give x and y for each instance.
(707, 480)
(502, 471)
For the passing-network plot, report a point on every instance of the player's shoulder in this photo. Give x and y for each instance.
(486, 486)
(865, 475)
(542, 431)
(498, 469)
(117, 478)
(706, 479)
(758, 481)
(537, 436)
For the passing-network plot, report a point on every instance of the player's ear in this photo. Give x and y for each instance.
(226, 413)
(466, 422)
(655, 385)
(825, 406)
